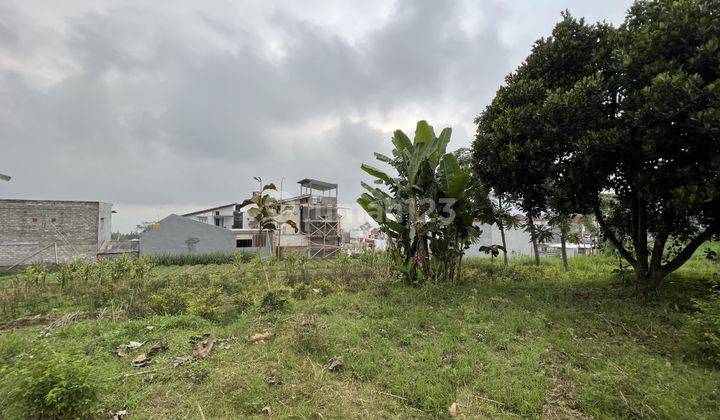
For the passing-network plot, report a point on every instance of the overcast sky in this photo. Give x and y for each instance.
(169, 106)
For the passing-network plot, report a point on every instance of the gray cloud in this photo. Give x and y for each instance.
(160, 106)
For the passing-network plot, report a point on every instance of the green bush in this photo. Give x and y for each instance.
(206, 303)
(326, 286)
(47, 384)
(705, 324)
(169, 301)
(302, 291)
(34, 275)
(275, 300)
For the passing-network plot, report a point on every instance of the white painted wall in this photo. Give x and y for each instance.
(226, 213)
(517, 240)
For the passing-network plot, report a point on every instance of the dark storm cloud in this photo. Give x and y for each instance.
(137, 106)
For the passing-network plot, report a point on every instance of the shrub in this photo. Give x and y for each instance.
(34, 275)
(243, 300)
(302, 291)
(206, 303)
(309, 337)
(242, 258)
(705, 324)
(46, 384)
(169, 301)
(275, 300)
(325, 286)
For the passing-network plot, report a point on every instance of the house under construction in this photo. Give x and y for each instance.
(316, 215)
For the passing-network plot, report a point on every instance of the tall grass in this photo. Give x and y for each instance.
(202, 259)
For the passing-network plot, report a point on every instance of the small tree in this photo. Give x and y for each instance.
(562, 223)
(268, 214)
(501, 215)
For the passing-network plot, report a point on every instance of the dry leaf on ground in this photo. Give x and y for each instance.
(159, 346)
(225, 343)
(260, 338)
(141, 360)
(203, 349)
(181, 359)
(267, 410)
(452, 410)
(335, 363)
(272, 378)
(135, 344)
(120, 415)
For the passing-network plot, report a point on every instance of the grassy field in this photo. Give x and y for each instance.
(504, 342)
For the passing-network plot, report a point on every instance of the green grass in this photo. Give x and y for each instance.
(517, 341)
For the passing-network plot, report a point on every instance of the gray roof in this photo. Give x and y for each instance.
(210, 209)
(317, 185)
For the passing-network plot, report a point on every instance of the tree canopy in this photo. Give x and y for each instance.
(630, 113)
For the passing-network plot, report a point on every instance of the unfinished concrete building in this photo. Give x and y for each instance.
(49, 231)
(316, 215)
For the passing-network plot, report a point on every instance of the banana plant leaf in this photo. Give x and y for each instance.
(377, 173)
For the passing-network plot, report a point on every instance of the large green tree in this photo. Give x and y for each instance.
(512, 151)
(643, 128)
(648, 131)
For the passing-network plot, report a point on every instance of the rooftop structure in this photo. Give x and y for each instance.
(308, 185)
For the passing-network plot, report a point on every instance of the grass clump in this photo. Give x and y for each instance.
(239, 257)
(276, 300)
(705, 325)
(47, 384)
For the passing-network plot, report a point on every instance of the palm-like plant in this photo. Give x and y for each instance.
(268, 213)
(493, 250)
(423, 209)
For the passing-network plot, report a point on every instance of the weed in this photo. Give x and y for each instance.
(705, 324)
(47, 384)
(302, 291)
(275, 300)
(308, 336)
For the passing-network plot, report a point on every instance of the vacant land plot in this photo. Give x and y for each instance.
(343, 338)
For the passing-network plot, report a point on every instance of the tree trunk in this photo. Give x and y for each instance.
(563, 250)
(502, 236)
(649, 281)
(533, 238)
(459, 268)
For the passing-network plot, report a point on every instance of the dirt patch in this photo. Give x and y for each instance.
(53, 321)
(25, 322)
(559, 400)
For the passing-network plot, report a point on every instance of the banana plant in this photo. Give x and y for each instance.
(423, 209)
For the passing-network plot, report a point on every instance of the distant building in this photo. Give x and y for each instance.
(314, 212)
(231, 217)
(316, 216)
(49, 231)
(178, 235)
